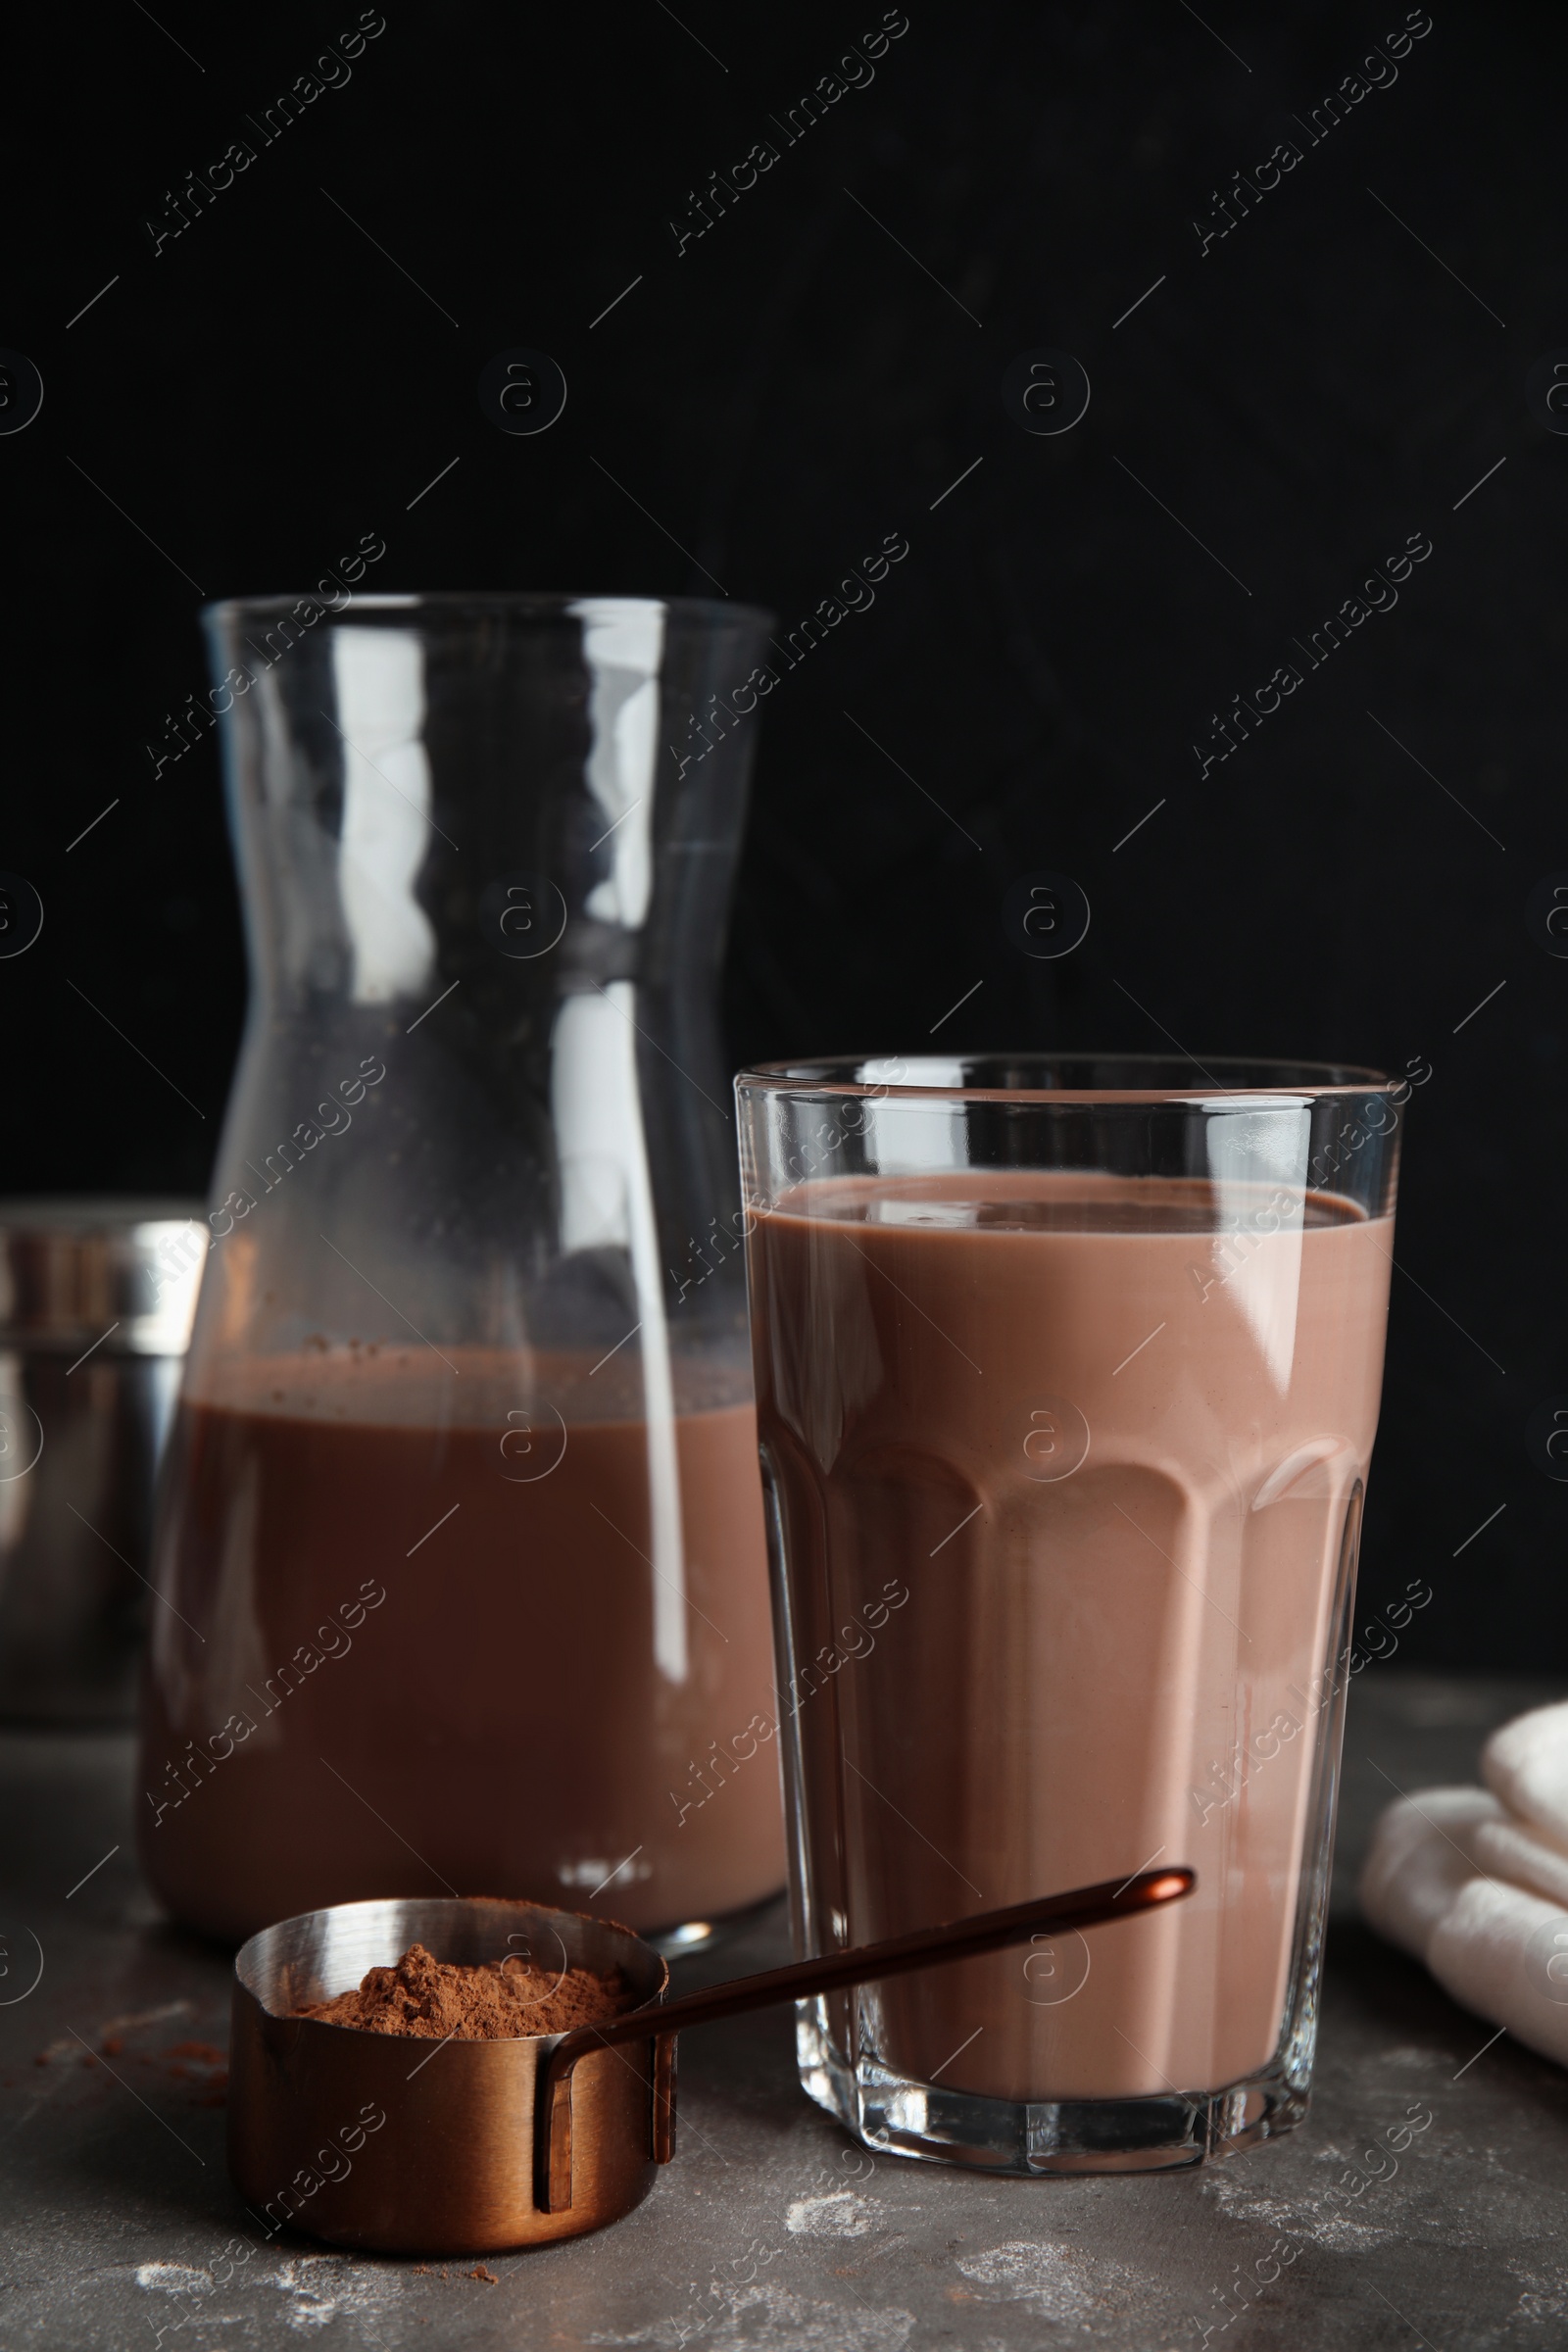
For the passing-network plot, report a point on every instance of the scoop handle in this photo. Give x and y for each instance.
(826, 1971)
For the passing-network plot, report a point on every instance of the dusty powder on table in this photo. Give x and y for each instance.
(498, 2000)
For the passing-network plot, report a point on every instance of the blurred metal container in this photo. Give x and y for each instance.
(97, 1302)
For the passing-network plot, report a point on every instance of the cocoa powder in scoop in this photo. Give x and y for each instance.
(498, 2000)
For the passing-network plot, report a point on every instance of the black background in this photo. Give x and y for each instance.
(238, 409)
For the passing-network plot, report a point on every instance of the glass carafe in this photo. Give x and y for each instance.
(459, 1557)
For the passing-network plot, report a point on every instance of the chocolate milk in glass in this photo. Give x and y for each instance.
(1118, 1464)
(413, 1638)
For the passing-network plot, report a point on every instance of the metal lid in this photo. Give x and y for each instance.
(120, 1272)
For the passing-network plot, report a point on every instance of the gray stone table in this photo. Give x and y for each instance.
(771, 2230)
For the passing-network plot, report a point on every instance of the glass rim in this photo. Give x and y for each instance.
(833, 1077)
(543, 604)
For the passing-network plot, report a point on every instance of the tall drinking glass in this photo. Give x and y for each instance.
(1068, 1373)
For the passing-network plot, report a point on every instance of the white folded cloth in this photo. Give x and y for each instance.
(1525, 1763)
(1475, 1882)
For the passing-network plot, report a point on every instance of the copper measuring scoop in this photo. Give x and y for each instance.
(402, 2146)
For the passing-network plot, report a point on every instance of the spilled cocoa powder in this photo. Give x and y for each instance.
(498, 2000)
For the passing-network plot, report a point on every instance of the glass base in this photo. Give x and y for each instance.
(891, 2113)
